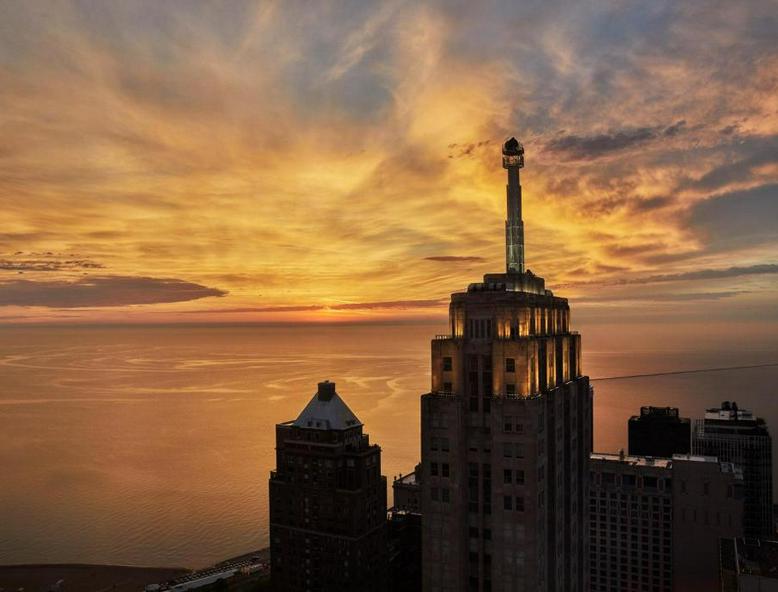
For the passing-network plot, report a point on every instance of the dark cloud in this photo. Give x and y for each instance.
(643, 297)
(709, 274)
(740, 165)
(446, 258)
(650, 204)
(739, 219)
(703, 274)
(33, 264)
(466, 150)
(101, 291)
(575, 147)
(675, 129)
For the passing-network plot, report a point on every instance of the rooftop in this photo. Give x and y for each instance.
(662, 463)
(729, 412)
(327, 411)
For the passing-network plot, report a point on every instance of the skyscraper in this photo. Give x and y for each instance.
(656, 522)
(736, 436)
(327, 502)
(659, 431)
(506, 434)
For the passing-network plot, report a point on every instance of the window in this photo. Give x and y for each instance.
(434, 469)
(508, 425)
(473, 404)
(507, 449)
(434, 443)
(447, 387)
(510, 365)
(488, 534)
(510, 389)
(447, 364)
(519, 504)
(507, 502)
(444, 468)
(444, 444)
(445, 496)
(473, 532)
(520, 477)
(507, 476)
(434, 493)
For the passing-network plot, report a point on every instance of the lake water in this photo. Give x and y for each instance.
(152, 445)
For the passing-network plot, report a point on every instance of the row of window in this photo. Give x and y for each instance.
(510, 424)
(448, 365)
(444, 469)
(442, 494)
(513, 503)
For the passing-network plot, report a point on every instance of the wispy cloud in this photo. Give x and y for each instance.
(350, 154)
(391, 305)
(453, 258)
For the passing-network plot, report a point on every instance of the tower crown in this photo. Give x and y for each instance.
(512, 154)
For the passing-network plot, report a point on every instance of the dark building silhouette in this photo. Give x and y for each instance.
(506, 434)
(736, 436)
(656, 522)
(404, 535)
(660, 432)
(749, 565)
(327, 502)
(406, 491)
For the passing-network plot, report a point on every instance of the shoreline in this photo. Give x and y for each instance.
(85, 577)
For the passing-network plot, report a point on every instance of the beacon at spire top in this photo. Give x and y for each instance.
(512, 154)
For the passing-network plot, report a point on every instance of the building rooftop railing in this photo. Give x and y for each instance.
(509, 337)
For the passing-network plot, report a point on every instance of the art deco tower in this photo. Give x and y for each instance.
(506, 434)
(327, 502)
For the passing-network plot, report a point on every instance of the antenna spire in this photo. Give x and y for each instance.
(513, 160)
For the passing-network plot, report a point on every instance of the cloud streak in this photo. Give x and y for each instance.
(102, 291)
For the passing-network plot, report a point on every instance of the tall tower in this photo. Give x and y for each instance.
(506, 433)
(736, 436)
(513, 160)
(327, 502)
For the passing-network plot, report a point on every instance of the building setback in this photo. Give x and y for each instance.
(659, 431)
(506, 433)
(735, 435)
(327, 502)
(656, 522)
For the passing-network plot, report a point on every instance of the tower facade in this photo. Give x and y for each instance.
(736, 436)
(327, 502)
(506, 434)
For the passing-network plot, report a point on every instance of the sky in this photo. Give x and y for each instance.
(187, 161)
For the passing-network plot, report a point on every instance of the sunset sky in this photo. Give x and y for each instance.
(305, 161)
